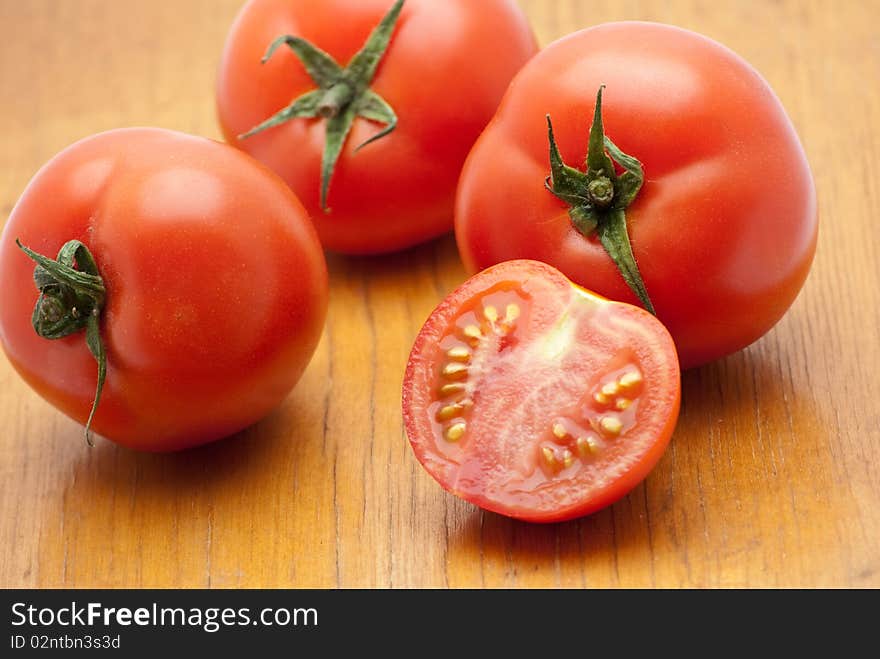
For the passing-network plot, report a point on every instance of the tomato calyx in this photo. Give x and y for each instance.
(71, 300)
(599, 196)
(343, 93)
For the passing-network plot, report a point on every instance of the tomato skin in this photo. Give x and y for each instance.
(205, 329)
(399, 190)
(504, 400)
(724, 229)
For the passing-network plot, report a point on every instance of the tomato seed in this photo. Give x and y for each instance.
(455, 371)
(611, 425)
(630, 379)
(451, 389)
(459, 353)
(449, 412)
(473, 332)
(587, 446)
(610, 389)
(455, 431)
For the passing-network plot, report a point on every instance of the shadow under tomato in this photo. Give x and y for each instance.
(732, 413)
(757, 391)
(110, 466)
(437, 258)
(582, 552)
(119, 512)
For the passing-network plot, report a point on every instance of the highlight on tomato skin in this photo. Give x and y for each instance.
(439, 70)
(534, 398)
(201, 327)
(721, 212)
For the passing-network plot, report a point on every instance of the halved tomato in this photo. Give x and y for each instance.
(537, 399)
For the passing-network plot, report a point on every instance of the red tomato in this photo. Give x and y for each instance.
(723, 229)
(206, 325)
(534, 398)
(443, 73)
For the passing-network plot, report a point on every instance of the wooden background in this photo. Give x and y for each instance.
(772, 477)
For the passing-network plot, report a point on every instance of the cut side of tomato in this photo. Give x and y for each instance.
(534, 398)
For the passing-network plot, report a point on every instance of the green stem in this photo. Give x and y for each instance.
(72, 297)
(334, 99)
(343, 93)
(615, 239)
(598, 198)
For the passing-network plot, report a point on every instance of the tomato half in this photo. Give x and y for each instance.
(723, 229)
(440, 69)
(534, 398)
(205, 324)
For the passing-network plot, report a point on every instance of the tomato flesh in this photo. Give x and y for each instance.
(531, 397)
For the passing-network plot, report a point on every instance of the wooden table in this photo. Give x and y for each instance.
(772, 477)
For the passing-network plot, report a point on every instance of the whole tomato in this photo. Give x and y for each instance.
(413, 83)
(696, 198)
(187, 271)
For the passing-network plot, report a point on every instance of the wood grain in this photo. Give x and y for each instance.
(772, 477)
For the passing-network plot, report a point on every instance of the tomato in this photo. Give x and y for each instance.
(534, 398)
(203, 322)
(722, 225)
(422, 78)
